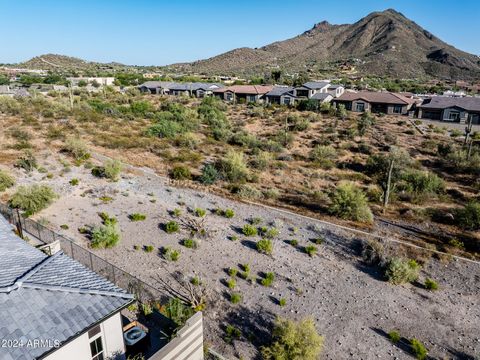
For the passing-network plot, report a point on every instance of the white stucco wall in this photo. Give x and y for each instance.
(79, 349)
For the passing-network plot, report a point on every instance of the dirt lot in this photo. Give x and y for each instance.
(354, 308)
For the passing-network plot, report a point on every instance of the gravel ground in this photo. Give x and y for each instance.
(352, 305)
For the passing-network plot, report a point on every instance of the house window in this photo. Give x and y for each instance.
(229, 96)
(397, 109)
(251, 98)
(360, 107)
(286, 101)
(96, 346)
(454, 116)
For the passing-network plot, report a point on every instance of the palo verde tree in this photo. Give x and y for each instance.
(387, 170)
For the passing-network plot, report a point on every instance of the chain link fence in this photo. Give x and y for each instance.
(143, 292)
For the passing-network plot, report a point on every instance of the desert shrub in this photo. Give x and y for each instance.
(190, 243)
(458, 244)
(293, 242)
(232, 272)
(268, 279)
(249, 230)
(262, 160)
(171, 227)
(231, 283)
(394, 336)
(74, 182)
(137, 217)
(177, 311)
(6, 181)
(165, 129)
(373, 252)
(282, 302)
(233, 167)
(350, 203)
(77, 148)
(249, 192)
(468, 217)
(271, 193)
(431, 284)
(187, 140)
(149, 248)
(269, 233)
(421, 184)
(231, 333)
(180, 173)
(112, 169)
(323, 156)
(200, 212)
(229, 213)
(293, 340)
(265, 246)
(9, 106)
(107, 219)
(364, 122)
(105, 236)
(399, 271)
(170, 254)
(27, 161)
(209, 175)
(311, 250)
(418, 349)
(461, 162)
(235, 298)
(31, 199)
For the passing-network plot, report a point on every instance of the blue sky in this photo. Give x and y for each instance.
(148, 32)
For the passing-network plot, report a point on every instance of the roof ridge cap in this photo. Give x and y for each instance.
(33, 285)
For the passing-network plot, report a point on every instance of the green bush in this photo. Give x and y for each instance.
(32, 199)
(209, 175)
(468, 218)
(282, 302)
(293, 340)
(177, 311)
(74, 182)
(170, 254)
(418, 349)
(137, 217)
(180, 173)
(423, 183)
(232, 333)
(311, 250)
(232, 272)
(324, 156)
(6, 181)
(249, 230)
(27, 161)
(265, 246)
(293, 242)
(233, 167)
(105, 236)
(231, 283)
(149, 248)
(229, 213)
(364, 122)
(235, 298)
(249, 192)
(190, 243)
(431, 284)
(349, 202)
(77, 148)
(394, 336)
(171, 227)
(200, 212)
(399, 271)
(268, 279)
(112, 169)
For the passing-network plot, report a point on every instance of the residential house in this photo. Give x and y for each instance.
(243, 93)
(375, 102)
(102, 81)
(280, 95)
(197, 89)
(156, 87)
(322, 97)
(452, 109)
(310, 88)
(52, 307)
(335, 90)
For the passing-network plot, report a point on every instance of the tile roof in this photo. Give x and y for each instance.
(48, 297)
(376, 97)
(443, 102)
(281, 90)
(246, 89)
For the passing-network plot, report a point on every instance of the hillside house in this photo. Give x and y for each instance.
(280, 95)
(322, 97)
(375, 102)
(54, 308)
(307, 90)
(453, 109)
(335, 90)
(197, 89)
(101, 81)
(243, 93)
(156, 87)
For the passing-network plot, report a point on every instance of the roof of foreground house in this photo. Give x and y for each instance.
(281, 90)
(48, 298)
(246, 89)
(376, 97)
(321, 96)
(316, 85)
(444, 102)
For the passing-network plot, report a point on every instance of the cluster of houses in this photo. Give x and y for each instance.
(461, 109)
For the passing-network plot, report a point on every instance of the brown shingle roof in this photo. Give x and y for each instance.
(376, 97)
(247, 89)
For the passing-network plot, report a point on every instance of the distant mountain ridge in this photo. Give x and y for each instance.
(382, 43)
